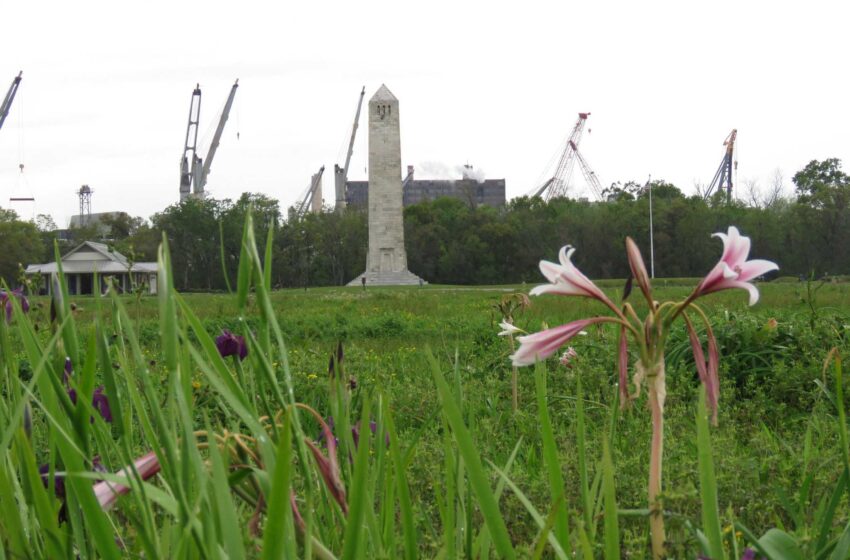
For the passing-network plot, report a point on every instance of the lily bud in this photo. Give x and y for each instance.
(639, 273)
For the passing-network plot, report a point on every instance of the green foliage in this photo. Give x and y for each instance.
(21, 245)
(234, 447)
(449, 241)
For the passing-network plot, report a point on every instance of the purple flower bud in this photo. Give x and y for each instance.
(6, 302)
(229, 344)
(69, 370)
(100, 402)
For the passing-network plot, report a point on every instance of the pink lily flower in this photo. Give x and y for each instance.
(734, 270)
(567, 280)
(107, 492)
(541, 345)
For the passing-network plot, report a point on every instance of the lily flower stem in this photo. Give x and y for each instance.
(656, 509)
(514, 378)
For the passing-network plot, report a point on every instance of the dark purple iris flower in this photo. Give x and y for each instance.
(6, 302)
(229, 344)
(99, 401)
(59, 483)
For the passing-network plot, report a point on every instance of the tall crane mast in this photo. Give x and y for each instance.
(723, 177)
(589, 175)
(341, 173)
(558, 183)
(308, 200)
(10, 96)
(194, 170)
(189, 163)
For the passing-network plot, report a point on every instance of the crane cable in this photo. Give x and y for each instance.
(22, 191)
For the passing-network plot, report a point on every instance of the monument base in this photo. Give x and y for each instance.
(400, 278)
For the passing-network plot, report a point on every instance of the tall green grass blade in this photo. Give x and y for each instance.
(535, 515)
(449, 491)
(243, 280)
(62, 307)
(41, 502)
(168, 328)
(842, 420)
(267, 261)
(708, 483)
(223, 259)
(483, 549)
(581, 451)
(611, 522)
(359, 499)
(478, 478)
(79, 493)
(408, 525)
(779, 545)
(42, 366)
(826, 518)
(842, 548)
(115, 398)
(546, 530)
(278, 533)
(12, 515)
(561, 529)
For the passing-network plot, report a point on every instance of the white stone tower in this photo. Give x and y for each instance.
(386, 263)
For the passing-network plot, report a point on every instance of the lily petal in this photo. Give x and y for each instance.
(508, 329)
(638, 268)
(733, 270)
(566, 279)
(107, 493)
(541, 345)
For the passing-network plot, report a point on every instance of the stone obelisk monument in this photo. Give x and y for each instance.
(386, 262)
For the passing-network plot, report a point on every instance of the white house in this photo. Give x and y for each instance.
(81, 263)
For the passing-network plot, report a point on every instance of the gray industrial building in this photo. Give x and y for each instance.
(490, 192)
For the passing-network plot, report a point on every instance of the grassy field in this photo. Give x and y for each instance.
(777, 450)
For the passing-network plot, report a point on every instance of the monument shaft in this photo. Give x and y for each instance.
(386, 261)
(386, 226)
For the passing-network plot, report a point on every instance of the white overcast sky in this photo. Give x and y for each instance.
(106, 90)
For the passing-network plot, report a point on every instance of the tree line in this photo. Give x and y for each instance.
(449, 241)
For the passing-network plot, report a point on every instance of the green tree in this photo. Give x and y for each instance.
(22, 246)
(823, 212)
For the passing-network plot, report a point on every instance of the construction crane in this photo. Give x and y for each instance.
(408, 178)
(557, 185)
(10, 96)
(341, 173)
(194, 169)
(312, 198)
(723, 177)
(4, 112)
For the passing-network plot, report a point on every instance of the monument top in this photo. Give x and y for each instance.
(383, 94)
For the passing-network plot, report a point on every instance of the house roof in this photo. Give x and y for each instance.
(103, 261)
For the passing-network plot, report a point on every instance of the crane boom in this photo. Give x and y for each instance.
(723, 176)
(307, 199)
(558, 183)
(341, 173)
(10, 96)
(589, 175)
(225, 113)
